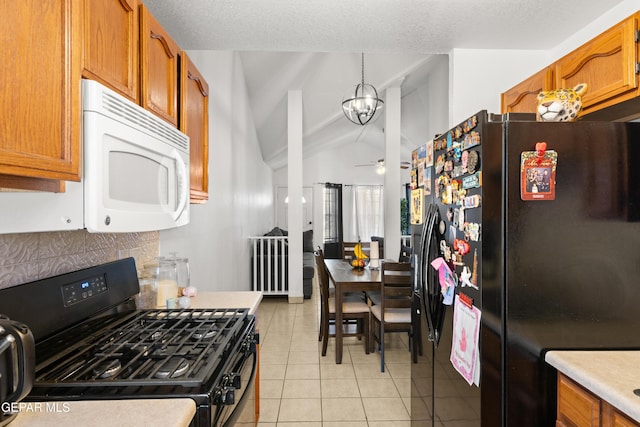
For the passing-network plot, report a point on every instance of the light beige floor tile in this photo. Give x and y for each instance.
(343, 409)
(333, 388)
(370, 370)
(399, 370)
(269, 409)
(271, 389)
(302, 372)
(272, 372)
(337, 371)
(389, 423)
(294, 410)
(303, 357)
(404, 386)
(274, 357)
(323, 393)
(310, 341)
(301, 389)
(344, 424)
(377, 387)
(300, 424)
(385, 408)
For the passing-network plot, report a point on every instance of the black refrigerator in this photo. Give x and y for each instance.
(539, 223)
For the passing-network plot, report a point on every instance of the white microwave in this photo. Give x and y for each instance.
(135, 175)
(136, 166)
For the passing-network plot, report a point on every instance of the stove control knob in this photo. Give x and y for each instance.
(234, 380)
(224, 396)
(229, 396)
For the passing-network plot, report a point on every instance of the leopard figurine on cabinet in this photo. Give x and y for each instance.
(560, 105)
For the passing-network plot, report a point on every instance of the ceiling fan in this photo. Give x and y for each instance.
(379, 164)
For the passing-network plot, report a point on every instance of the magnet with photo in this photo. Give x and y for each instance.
(538, 173)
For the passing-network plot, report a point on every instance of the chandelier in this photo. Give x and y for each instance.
(361, 105)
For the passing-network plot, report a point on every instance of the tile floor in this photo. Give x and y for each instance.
(299, 387)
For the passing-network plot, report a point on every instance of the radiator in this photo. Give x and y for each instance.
(269, 264)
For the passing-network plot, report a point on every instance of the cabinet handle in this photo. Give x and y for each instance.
(199, 82)
(162, 40)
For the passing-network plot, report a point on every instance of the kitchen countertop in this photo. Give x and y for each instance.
(104, 413)
(132, 412)
(610, 375)
(230, 299)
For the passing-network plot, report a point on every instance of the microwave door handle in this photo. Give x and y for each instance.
(183, 186)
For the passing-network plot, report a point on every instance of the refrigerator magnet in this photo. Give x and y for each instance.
(538, 173)
(473, 161)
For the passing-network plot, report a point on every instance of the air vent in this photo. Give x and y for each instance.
(127, 112)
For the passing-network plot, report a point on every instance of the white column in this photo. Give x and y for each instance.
(294, 183)
(392, 139)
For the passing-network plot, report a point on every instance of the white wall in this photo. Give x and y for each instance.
(240, 185)
(477, 77)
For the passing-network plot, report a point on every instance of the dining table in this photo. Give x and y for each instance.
(347, 279)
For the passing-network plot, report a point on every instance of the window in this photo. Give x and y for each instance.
(332, 213)
(368, 211)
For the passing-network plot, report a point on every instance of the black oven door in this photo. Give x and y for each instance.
(232, 395)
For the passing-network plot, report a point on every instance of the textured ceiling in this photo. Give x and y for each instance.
(314, 45)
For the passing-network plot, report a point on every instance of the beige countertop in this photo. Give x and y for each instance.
(131, 412)
(610, 375)
(106, 413)
(230, 299)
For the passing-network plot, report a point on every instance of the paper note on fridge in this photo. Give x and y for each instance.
(464, 346)
(448, 280)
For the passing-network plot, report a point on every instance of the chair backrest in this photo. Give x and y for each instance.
(397, 285)
(347, 249)
(323, 277)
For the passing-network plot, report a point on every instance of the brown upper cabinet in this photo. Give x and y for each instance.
(608, 64)
(158, 69)
(522, 97)
(111, 29)
(40, 91)
(194, 121)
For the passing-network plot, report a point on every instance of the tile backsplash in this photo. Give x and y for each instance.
(25, 257)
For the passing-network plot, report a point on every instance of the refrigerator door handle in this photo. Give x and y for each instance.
(427, 275)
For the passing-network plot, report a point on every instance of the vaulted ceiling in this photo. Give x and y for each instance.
(315, 46)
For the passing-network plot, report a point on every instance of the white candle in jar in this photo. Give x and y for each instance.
(374, 255)
(166, 289)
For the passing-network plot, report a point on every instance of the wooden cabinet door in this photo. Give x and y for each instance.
(576, 406)
(158, 68)
(606, 64)
(111, 30)
(40, 89)
(194, 121)
(522, 98)
(611, 417)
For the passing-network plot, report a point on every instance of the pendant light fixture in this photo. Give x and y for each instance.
(361, 104)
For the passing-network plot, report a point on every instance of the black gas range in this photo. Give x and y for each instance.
(92, 343)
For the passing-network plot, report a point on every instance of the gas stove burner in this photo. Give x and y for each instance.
(175, 367)
(108, 368)
(154, 336)
(202, 333)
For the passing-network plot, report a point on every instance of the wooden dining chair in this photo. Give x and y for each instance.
(347, 249)
(395, 311)
(354, 310)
